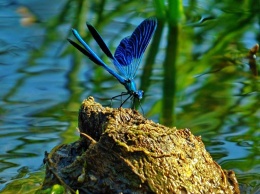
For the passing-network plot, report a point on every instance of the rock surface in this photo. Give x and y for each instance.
(120, 151)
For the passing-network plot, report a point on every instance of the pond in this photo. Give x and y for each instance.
(197, 73)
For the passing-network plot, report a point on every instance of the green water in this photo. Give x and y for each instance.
(195, 75)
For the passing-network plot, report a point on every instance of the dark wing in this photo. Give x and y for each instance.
(130, 51)
(86, 50)
(100, 41)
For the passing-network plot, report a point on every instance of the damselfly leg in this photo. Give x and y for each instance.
(120, 95)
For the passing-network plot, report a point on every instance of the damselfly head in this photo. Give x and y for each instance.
(138, 94)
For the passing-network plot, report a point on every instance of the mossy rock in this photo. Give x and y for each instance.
(120, 151)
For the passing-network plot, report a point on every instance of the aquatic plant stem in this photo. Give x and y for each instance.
(169, 82)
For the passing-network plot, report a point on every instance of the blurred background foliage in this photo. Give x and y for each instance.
(198, 73)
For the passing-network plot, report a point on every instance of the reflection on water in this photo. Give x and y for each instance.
(43, 80)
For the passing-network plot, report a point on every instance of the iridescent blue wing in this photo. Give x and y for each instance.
(123, 58)
(131, 49)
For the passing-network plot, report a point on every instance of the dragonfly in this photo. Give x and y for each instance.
(127, 56)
